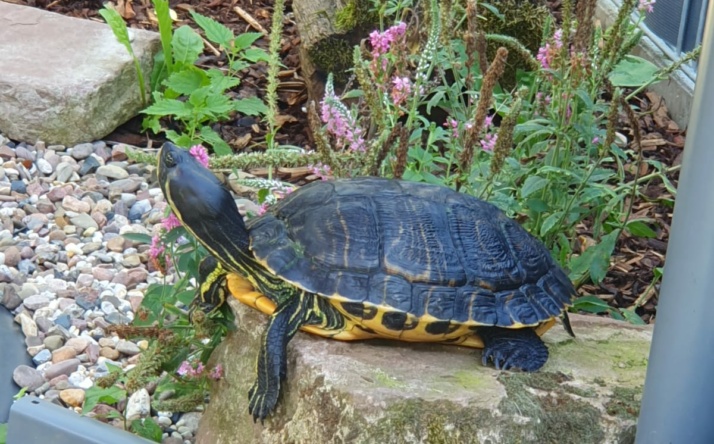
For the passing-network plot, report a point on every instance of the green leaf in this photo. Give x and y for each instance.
(169, 107)
(255, 55)
(244, 40)
(187, 81)
(537, 205)
(595, 260)
(591, 304)
(262, 195)
(3, 433)
(118, 26)
(147, 428)
(220, 147)
(179, 139)
(632, 317)
(601, 258)
(533, 184)
(220, 82)
(154, 299)
(215, 31)
(186, 296)
(165, 28)
(218, 104)
(20, 394)
(239, 65)
(638, 227)
(550, 222)
(187, 45)
(251, 106)
(94, 395)
(633, 71)
(353, 94)
(138, 237)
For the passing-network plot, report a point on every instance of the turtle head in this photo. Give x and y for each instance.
(202, 203)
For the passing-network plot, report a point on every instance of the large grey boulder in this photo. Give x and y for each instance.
(66, 80)
(389, 392)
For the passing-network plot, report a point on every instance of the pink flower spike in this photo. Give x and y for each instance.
(217, 372)
(171, 222)
(200, 153)
(646, 5)
(156, 247)
(596, 140)
(184, 369)
(488, 143)
(199, 369)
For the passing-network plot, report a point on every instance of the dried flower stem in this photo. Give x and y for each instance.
(402, 148)
(585, 14)
(484, 104)
(504, 143)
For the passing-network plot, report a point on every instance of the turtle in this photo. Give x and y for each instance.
(368, 257)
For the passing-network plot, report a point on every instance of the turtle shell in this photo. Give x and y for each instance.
(403, 252)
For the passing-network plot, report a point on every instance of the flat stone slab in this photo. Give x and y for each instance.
(65, 80)
(391, 392)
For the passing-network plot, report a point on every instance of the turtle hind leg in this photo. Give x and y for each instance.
(511, 349)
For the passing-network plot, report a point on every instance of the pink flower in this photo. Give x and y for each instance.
(185, 369)
(401, 89)
(646, 5)
(156, 248)
(547, 53)
(321, 170)
(489, 142)
(171, 222)
(543, 56)
(199, 369)
(216, 373)
(381, 41)
(454, 125)
(558, 38)
(200, 153)
(340, 123)
(596, 140)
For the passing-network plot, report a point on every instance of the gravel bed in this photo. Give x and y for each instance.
(67, 273)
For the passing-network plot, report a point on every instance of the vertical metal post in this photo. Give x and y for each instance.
(678, 400)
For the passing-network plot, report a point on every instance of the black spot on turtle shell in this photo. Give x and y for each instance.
(440, 327)
(359, 310)
(394, 320)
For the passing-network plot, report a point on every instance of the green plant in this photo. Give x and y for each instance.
(552, 162)
(182, 91)
(198, 98)
(118, 27)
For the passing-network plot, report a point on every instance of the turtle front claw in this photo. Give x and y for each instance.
(261, 401)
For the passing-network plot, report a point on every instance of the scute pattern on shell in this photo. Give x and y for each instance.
(420, 249)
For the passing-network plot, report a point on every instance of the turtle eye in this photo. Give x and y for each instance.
(169, 160)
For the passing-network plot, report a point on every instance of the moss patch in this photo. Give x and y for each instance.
(557, 416)
(435, 422)
(523, 20)
(333, 55)
(625, 402)
(357, 13)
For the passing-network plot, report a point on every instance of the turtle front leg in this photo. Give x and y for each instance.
(510, 349)
(289, 316)
(212, 288)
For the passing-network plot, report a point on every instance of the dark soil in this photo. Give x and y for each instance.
(629, 282)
